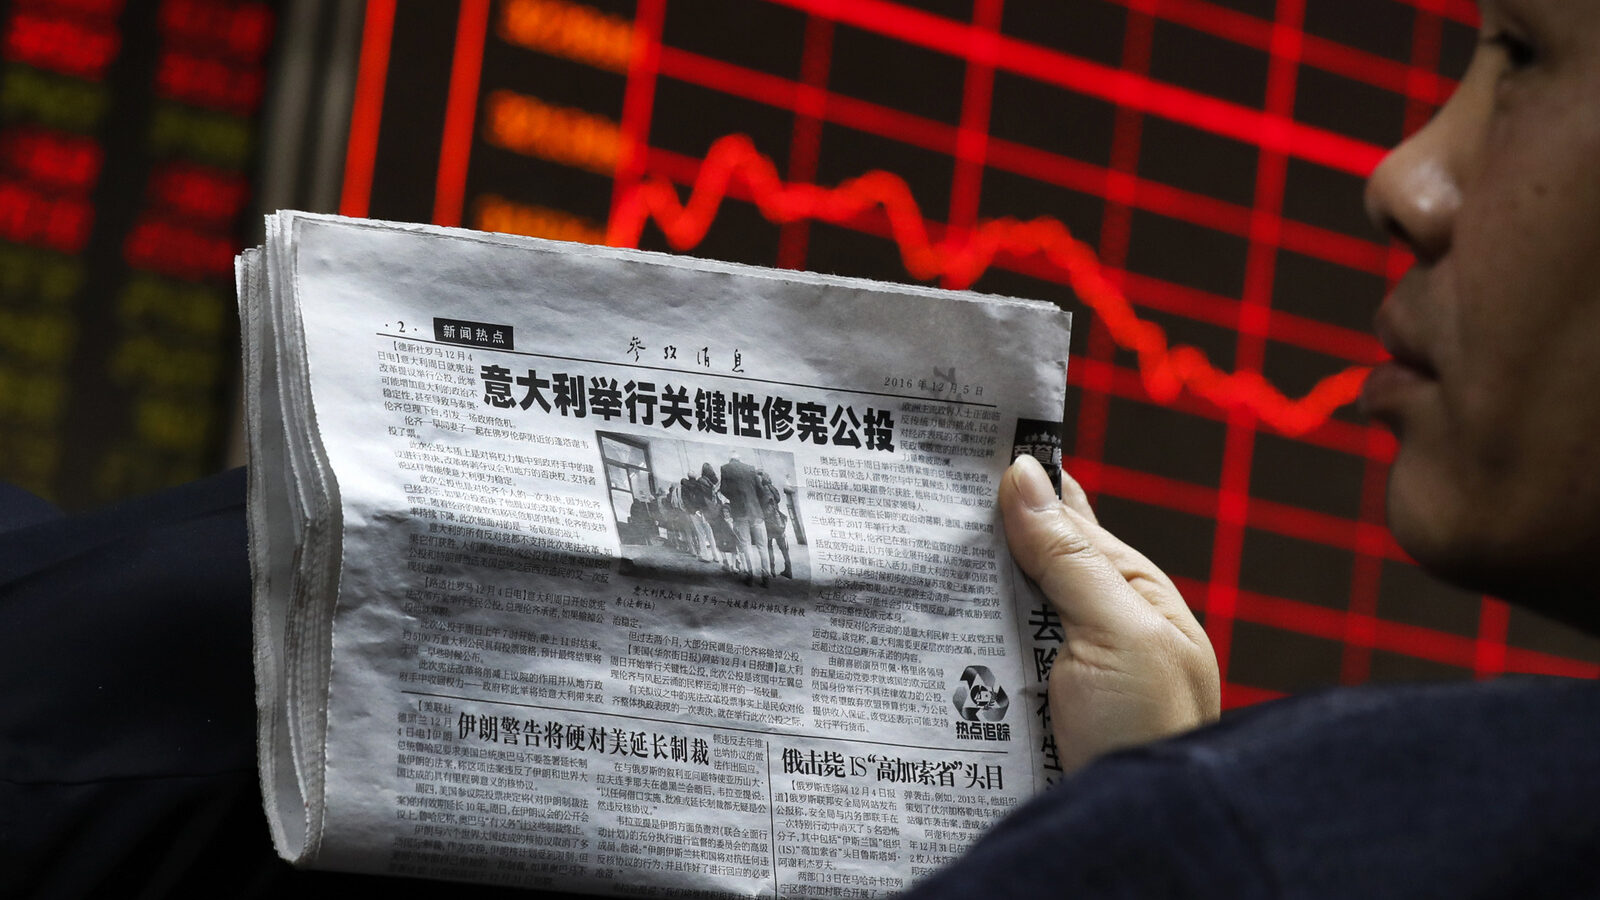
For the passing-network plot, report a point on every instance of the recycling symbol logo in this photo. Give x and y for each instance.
(979, 697)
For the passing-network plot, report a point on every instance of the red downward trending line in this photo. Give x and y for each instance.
(960, 259)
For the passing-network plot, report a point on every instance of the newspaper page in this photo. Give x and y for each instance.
(639, 575)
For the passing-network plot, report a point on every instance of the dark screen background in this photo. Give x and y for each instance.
(128, 136)
(1210, 155)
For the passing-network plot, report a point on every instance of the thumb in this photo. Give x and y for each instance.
(1058, 548)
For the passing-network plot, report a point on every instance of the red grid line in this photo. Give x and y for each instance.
(1490, 651)
(805, 139)
(1332, 434)
(461, 107)
(1197, 500)
(1202, 501)
(1335, 342)
(1276, 132)
(1427, 47)
(1316, 52)
(1116, 224)
(972, 136)
(1535, 662)
(1303, 524)
(372, 70)
(1484, 654)
(1234, 501)
(1235, 695)
(638, 97)
(1168, 370)
(1086, 178)
(1367, 573)
(1464, 12)
(1416, 641)
(1427, 38)
(1128, 384)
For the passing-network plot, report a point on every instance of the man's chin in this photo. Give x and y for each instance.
(1476, 560)
(1439, 532)
(1443, 558)
(1427, 520)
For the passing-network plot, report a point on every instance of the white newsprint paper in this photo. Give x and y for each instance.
(628, 574)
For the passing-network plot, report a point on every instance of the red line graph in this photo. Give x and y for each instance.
(960, 259)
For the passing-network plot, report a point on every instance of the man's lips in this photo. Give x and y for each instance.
(1387, 386)
(1408, 370)
(1404, 352)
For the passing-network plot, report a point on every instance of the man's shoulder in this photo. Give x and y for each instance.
(1433, 788)
(20, 508)
(1485, 790)
(1442, 744)
(1504, 714)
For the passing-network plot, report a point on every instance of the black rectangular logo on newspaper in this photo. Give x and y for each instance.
(472, 334)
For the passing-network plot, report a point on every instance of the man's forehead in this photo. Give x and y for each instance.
(1574, 23)
(1513, 7)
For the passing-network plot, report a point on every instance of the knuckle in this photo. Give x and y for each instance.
(1149, 585)
(1152, 632)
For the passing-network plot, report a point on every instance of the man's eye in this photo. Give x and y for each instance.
(1519, 52)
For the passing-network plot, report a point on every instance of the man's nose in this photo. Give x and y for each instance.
(1416, 192)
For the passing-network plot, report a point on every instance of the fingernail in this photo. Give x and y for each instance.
(1033, 484)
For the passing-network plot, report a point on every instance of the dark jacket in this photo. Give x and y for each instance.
(1463, 791)
(742, 488)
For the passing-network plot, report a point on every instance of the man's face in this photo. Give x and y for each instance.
(1495, 391)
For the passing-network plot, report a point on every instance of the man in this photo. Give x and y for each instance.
(695, 501)
(776, 523)
(1494, 393)
(1449, 791)
(743, 490)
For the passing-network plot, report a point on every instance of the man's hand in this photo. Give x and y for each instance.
(1135, 665)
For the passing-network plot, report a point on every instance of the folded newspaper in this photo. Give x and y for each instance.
(630, 574)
